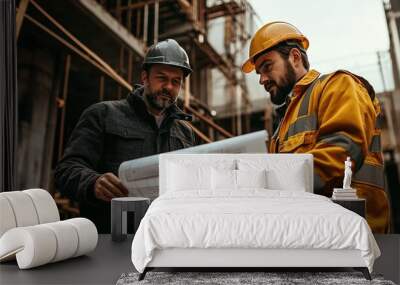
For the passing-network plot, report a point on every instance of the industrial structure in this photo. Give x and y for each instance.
(74, 53)
(391, 102)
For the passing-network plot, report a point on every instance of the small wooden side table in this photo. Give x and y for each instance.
(356, 205)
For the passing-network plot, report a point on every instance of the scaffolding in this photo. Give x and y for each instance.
(104, 42)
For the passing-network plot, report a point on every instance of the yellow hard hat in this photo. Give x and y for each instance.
(270, 35)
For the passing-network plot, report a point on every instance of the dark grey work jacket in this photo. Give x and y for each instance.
(107, 134)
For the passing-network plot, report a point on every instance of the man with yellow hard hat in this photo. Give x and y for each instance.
(330, 116)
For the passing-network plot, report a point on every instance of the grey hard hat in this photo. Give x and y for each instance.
(168, 52)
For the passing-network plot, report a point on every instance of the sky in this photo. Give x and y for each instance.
(343, 34)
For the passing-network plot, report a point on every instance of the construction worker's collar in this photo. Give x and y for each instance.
(305, 81)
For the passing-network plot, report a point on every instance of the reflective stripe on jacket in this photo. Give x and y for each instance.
(334, 116)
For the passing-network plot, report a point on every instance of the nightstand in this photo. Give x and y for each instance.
(119, 209)
(355, 205)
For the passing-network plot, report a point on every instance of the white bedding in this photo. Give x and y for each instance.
(252, 218)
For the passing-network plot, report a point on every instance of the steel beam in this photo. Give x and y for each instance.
(107, 20)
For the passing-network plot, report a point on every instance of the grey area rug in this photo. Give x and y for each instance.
(232, 278)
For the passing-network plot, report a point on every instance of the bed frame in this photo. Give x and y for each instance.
(248, 259)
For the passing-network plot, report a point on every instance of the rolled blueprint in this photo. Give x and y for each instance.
(140, 175)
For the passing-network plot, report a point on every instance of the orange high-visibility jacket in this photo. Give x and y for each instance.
(331, 117)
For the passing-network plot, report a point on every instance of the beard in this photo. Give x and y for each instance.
(159, 100)
(284, 87)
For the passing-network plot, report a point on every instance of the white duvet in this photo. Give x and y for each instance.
(250, 219)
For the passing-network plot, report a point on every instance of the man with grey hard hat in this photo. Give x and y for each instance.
(147, 122)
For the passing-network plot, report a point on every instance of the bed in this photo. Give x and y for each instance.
(245, 211)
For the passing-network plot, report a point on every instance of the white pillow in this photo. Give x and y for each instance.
(251, 178)
(293, 182)
(183, 177)
(281, 174)
(227, 179)
(223, 179)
